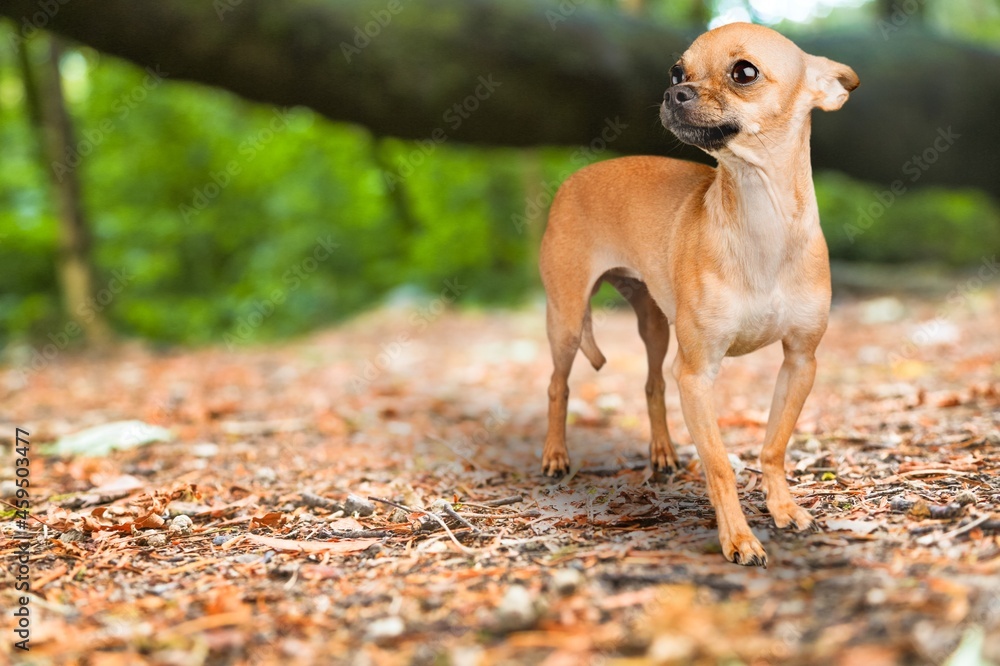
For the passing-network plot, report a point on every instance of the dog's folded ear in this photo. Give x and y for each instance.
(830, 82)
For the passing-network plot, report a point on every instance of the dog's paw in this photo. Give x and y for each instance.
(663, 458)
(555, 464)
(789, 514)
(744, 548)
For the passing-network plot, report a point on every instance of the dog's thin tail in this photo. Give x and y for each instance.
(589, 346)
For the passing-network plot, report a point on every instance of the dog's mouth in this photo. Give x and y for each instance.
(706, 138)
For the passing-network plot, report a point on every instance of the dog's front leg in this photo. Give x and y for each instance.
(695, 378)
(795, 380)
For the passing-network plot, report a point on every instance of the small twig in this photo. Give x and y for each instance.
(398, 506)
(356, 534)
(462, 547)
(313, 500)
(968, 528)
(530, 513)
(921, 472)
(991, 525)
(503, 501)
(30, 515)
(926, 472)
(611, 470)
(454, 514)
(759, 472)
(878, 494)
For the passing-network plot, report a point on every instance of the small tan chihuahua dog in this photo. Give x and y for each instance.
(733, 256)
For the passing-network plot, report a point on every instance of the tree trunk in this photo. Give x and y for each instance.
(522, 73)
(48, 113)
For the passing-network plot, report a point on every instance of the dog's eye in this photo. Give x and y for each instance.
(744, 72)
(676, 75)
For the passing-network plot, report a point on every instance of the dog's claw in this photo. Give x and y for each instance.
(744, 549)
(789, 514)
(663, 472)
(555, 465)
(662, 459)
(664, 468)
(753, 561)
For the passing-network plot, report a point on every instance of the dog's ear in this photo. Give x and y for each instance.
(830, 82)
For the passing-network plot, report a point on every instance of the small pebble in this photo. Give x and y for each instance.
(466, 655)
(181, 525)
(205, 450)
(965, 498)
(8, 488)
(154, 540)
(219, 540)
(266, 475)
(566, 581)
(358, 505)
(876, 597)
(70, 536)
(385, 630)
(672, 648)
(517, 609)
(609, 402)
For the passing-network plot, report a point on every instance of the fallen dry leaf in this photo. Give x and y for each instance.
(611, 564)
(295, 546)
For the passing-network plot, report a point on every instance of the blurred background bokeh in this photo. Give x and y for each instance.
(181, 246)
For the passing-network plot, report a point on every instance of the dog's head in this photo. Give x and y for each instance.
(741, 82)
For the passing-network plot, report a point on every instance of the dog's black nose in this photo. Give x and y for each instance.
(678, 95)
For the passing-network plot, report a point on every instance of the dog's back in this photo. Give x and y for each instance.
(609, 214)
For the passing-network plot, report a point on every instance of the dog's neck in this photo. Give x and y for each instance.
(771, 178)
(762, 201)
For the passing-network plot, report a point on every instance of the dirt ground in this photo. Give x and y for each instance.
(237, 542)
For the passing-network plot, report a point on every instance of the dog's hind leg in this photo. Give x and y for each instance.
(654, 329)
(569, 324)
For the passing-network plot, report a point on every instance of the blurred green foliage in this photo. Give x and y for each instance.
(230, 220)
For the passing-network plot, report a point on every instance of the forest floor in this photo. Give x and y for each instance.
(231, 543)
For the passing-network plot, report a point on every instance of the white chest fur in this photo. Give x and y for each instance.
(763, 249)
